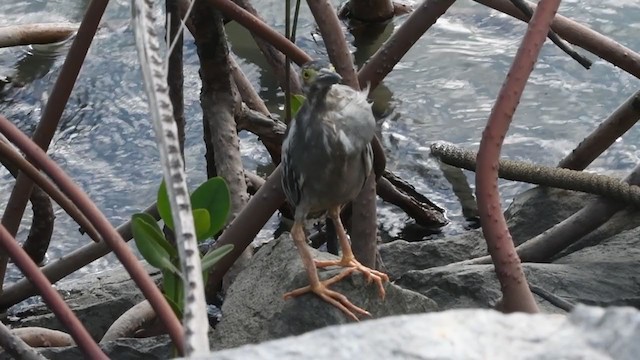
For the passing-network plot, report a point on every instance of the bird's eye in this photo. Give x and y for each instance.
(306, 74)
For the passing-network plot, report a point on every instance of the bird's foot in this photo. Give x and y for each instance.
(332, 297)
(370, 275)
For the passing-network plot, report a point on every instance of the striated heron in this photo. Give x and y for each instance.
(326, 158)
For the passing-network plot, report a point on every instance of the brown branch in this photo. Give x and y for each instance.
(264, 31)
(516, 295)
(16, 347)
(248, 94)
(11, 155)
(273, 57)
(51, 117)
(100, 222)
(39, 238)
(68, 264)
(621, 120)
(16, 35)
(50, 295)
(175, 75)
(561, 44)
(383, 61)
(580, 35)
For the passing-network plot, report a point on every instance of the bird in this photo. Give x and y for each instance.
(326, 158)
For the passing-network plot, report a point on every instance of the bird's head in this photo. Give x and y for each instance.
(320, 73)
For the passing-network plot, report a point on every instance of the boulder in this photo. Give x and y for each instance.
(254, 309)
(587, 333)
(401, 256)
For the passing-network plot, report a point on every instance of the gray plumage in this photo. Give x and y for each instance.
(326, 154)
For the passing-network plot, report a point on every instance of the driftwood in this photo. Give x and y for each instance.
(16, 35)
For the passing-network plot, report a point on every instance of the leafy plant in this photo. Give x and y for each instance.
(211, 204)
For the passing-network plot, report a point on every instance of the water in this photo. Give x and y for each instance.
(443, 89)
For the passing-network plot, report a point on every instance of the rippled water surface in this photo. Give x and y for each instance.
(443, 89)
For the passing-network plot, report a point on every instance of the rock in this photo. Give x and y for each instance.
(536, 210)
(621, 248)
(587, 333)
(154, 348)
(96, 299)
(254, 309)
(476, 286)
(401, 256)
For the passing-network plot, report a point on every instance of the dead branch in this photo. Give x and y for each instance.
(603, 185)
(175, 76)
(561, 44)
(248, 94)
(273, 56)
(43, 337)
(618, 123)
(580, 35)
(16, 347)
(383, 61)
(12, 156)
(139, 316)
(17, 35)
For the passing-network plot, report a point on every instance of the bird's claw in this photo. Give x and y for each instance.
(332, 297)
(370, 275)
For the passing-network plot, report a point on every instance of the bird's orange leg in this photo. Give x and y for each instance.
(348, 260)
(318, 287)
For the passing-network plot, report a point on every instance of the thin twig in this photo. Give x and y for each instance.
(621, 120)
(580, 35)
(563, 45)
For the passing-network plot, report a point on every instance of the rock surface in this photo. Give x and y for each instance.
(587, 333)
(254, 309)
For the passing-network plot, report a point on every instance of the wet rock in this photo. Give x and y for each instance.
(587, 333)
(536, 210)
(254, 309)
(154, 348)
(401, 256)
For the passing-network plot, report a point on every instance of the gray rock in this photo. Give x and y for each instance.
(536, 210)
(476, 286)
(401, 256)
(96, 299)
(254, 309)
(587, 333)
(154, 348)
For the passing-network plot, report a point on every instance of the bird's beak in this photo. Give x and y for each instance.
(328, 76)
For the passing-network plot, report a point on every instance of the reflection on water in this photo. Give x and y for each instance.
(443, 89)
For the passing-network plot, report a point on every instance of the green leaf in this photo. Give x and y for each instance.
(151, 243)
(212, 257)
(164, 206)
(172, 286)
(202, 222)
(213, 195)
(176, 308)
(296, 103)
(159, 235)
